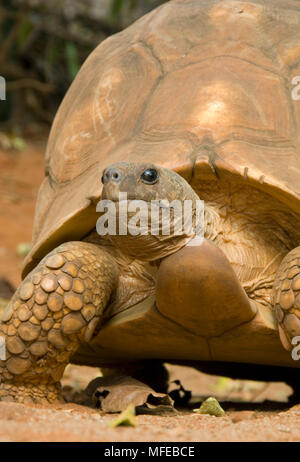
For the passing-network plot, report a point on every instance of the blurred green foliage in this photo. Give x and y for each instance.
(45, 43)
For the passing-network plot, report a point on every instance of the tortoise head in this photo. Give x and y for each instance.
(151, 211)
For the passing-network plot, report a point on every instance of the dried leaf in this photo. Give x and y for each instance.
(127, 418)
(211, 406)
(115, 393)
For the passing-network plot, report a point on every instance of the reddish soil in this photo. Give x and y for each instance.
(255, 411)
(20, 176)
(76, 423)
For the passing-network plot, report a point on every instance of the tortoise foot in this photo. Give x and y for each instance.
(31, 393)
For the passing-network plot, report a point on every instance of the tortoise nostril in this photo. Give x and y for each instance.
(111, 174)
(105, 176)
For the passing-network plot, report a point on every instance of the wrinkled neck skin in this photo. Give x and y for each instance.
(151, 248)
(137, 277)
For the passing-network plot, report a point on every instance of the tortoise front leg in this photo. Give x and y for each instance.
(286, 298)
(198, 289)
(57, 306)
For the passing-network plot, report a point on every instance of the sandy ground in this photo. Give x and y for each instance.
(75, 423)
(255, 411)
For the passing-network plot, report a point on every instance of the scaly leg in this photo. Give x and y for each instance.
(57, 306)
(286, 298)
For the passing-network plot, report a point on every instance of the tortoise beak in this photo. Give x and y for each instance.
(111, 180)
(110, 191)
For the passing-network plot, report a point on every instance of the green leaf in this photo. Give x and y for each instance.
(24, 30)
(210, 406)
(11, 141)
(127, 418)
(73, 63)
(53, 52)
(18, 143)
(23, 249)
(116, 8)
(221, 385)
(133, 4)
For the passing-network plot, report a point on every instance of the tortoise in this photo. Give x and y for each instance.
(194, 100)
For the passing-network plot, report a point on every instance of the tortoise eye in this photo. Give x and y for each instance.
(149, 176)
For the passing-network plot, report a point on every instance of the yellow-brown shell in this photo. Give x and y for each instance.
(195, 86)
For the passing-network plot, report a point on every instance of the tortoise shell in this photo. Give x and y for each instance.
(201, 87)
